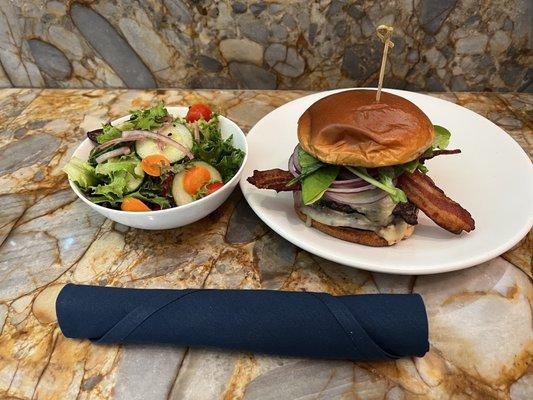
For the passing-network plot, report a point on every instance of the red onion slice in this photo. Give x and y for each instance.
(292, 167)
(121, 151)
(162, 138)
(196, 131)
(350, 190)
(111, 142)
(356, 199)
(351, 183)
(295, 158)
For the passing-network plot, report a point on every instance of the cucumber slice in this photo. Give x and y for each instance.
(134, 182)
(181, 197)
(179, 133)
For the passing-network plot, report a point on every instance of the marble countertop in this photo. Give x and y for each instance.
(481, 320)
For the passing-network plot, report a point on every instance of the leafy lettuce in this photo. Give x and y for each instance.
(150, 118)
(118, 176)
(140, 119)
(80, 172)
(129, 163)
(216, 151)
(111, 181)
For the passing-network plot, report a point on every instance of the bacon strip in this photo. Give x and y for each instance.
(422, 192)
(275, 179)
(419, 188)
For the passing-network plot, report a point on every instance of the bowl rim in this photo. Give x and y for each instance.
(235, 178)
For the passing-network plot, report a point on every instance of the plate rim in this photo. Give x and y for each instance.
(467, 262)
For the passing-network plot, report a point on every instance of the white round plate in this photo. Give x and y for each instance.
(492, 178)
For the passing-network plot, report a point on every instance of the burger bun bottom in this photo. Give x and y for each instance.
(367, 238)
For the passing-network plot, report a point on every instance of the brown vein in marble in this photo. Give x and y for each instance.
(243, 373)
(14, 43)
(55, 335)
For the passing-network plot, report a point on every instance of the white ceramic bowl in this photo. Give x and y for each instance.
(177, 216)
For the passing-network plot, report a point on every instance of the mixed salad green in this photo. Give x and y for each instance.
(155, 161)
(316, 177)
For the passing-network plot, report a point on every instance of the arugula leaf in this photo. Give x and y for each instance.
(422, 168)
(308, 165)
(315, 184)
(442, 137)
(411, 166)
(315, 177)
(216, 151)
(387, 174)
(441, 141)
(150, 118)
(306, 160)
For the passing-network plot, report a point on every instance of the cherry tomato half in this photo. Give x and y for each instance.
(213, 187)
(198, 111)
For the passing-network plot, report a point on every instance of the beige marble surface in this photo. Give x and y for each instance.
(481, 323)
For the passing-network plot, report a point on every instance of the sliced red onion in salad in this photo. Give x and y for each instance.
(196, 131)
(112, 142)
(121, 151)
(162, 138)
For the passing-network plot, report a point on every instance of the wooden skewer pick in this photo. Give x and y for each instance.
(384, 32)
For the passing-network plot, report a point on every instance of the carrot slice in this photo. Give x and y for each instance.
(213, 187)
(154, 164)
(133, 204)
(195, 178)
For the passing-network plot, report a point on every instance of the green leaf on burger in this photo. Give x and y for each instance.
(385, 182)
(442, 137)
(308, 165)
(315, 184)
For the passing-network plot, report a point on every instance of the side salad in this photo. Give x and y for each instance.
(156, 161)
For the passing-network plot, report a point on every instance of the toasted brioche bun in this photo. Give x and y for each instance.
(368, 238)
(350, 128)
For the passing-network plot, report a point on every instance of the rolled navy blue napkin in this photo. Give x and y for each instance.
(304, 324)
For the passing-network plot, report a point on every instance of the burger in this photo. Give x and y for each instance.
(359, 173)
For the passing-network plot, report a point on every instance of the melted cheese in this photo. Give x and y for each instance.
(376, 217)
(395, 232)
